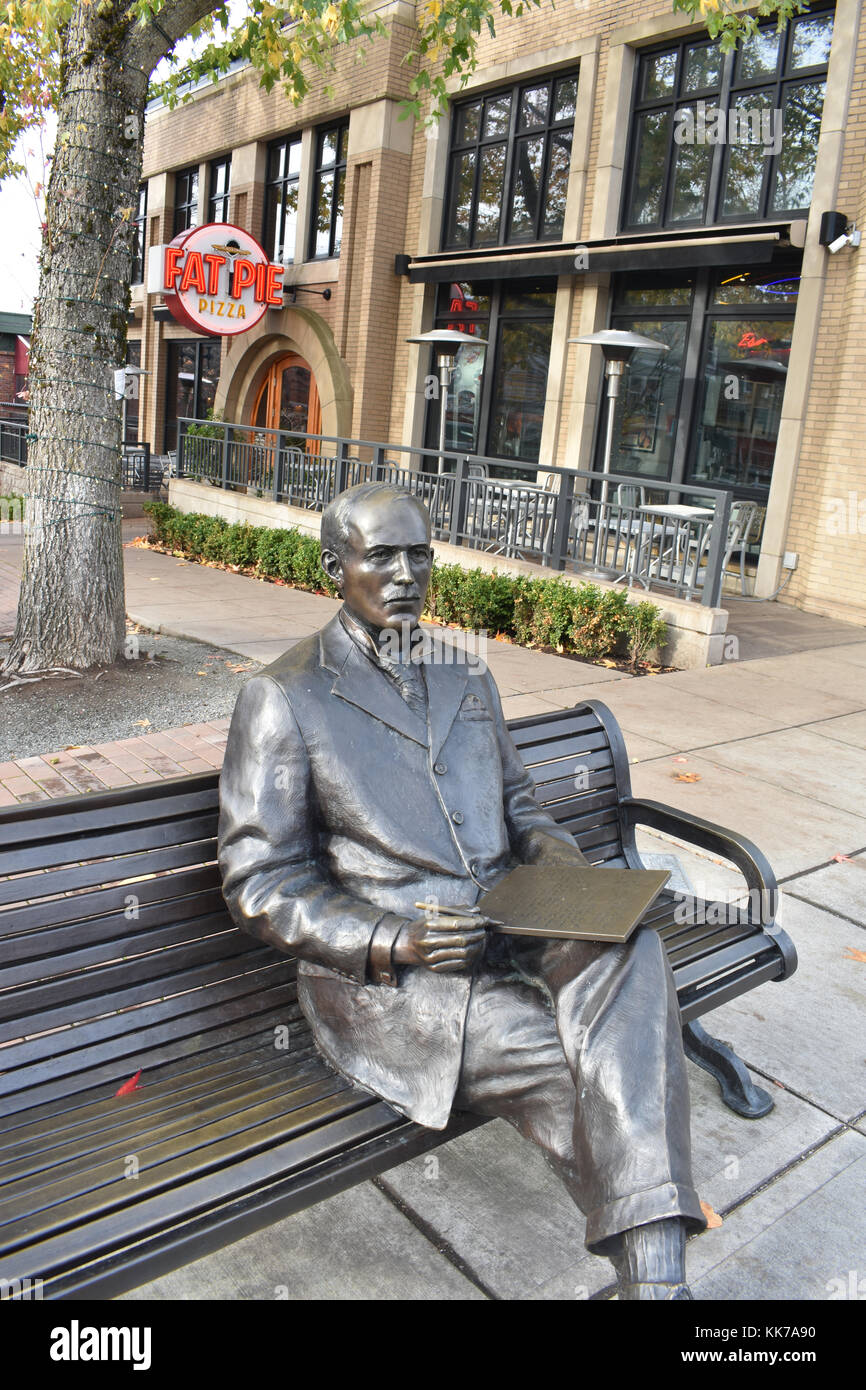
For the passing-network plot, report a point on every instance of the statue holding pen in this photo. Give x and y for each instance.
(359, 791)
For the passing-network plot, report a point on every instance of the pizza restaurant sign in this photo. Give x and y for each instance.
(216, 279)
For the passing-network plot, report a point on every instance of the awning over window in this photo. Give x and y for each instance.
(679, 251)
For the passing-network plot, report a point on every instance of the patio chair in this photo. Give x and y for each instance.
(691, 568)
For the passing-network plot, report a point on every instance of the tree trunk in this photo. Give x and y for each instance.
(71, 608)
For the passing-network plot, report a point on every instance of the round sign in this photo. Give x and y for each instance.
(217, 279)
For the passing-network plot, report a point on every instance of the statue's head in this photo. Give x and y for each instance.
(376, 549)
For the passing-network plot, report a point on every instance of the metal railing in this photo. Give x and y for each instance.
(139, 471)
(488, 504)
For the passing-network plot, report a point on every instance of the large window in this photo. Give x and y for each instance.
(727, 137)
(185, 199)
(329, 190)
(509, 164)
(220, 177)
(707, 411)
(497, 393)
(139, 236)
(281, 199)
(192, 374)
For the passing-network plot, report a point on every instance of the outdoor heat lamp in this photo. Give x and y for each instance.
(447, 342)
(617, 346)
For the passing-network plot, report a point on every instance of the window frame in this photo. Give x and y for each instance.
(491, 323)
(275, 187)
(514, 134)
(224, 162)
(698, 314)
(171, 417)
(139, 240)
(339, 168)
(730, 87)
(186, 208)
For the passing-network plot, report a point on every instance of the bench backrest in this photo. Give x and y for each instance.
(116, 949)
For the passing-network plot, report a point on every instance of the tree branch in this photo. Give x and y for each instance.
(151, 40)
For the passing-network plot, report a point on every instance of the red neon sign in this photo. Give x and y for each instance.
(217, 279)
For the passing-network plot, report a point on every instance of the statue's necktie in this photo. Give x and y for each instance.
(408, 677)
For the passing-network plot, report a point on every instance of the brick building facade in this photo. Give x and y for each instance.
(563, 192)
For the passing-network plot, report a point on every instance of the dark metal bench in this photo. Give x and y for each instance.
(118, 955)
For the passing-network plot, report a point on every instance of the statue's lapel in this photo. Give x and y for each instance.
(446, 684)
(360, 684)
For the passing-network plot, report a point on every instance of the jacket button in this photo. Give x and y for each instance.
(440, 769)
(457, 817)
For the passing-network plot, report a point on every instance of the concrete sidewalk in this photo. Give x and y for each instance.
(777, 740)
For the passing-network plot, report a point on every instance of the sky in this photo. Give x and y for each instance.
(21, 213)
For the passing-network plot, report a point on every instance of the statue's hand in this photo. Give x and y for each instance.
(441, 941)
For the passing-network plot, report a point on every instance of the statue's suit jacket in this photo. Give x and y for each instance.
(339, 806)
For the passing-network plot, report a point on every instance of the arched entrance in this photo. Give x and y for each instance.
(289, 400)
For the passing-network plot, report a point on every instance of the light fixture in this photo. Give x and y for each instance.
(836, 231)
(447, 342)
(618, 345)
(294, 290)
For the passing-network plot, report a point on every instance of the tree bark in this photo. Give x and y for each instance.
(71, 607)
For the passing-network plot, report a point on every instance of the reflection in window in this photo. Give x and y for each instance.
(139, 237)
(727, 136)
(185, 200)
(499, 413)
(192, 376)
(220, 181)
(281, 200)
(329, 190)
(646, 412)
(509, 165)
(745, 368)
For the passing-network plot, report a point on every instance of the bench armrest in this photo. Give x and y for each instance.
(748, 858)
(706, 835)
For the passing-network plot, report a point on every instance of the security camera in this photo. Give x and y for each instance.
(838, 244)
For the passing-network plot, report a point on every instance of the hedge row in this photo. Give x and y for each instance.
(584, 621)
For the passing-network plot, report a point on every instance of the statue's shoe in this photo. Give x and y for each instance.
(667, 1293)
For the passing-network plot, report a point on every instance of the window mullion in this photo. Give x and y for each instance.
(692, 359)
(717, 164)
(507, 194)
(489, 370)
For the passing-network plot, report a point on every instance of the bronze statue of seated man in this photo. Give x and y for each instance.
(359, 782)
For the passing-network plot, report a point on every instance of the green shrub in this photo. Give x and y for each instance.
(582, 621)
(599, 617)
(644, 630)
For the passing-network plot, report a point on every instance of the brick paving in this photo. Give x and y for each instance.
(121, 763)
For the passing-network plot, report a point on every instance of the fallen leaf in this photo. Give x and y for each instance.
(680, 760)
(143, 723)
(131, 1085)
(713, 1218)
(851, 953)
(686, 776)
(154, 579)
(201, 673)
(54, 761)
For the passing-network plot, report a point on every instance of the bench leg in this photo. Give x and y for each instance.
(739, 1091)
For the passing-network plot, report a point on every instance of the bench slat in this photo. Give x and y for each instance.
(63, 820)
(121, 984)
(80, 1178)
(71, 879)
(46, 1257)
(109, 843)
(243, 1026)
(155, 1095)
(159, 901)
(128, 1035)
(280, 1123)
